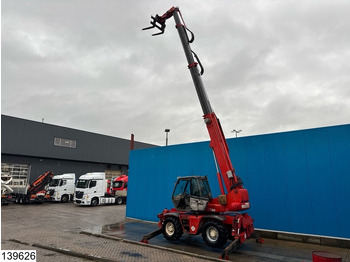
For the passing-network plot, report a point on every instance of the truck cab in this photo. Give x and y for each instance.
(90, 188)
(61, 188)
(119, 188)
(119, 183)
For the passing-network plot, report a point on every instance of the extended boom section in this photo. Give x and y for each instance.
(196, 210)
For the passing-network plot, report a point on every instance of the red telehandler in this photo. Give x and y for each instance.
(196, 210)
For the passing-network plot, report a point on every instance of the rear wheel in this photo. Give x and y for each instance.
(119, 200)
(214, 233)
(172, 228)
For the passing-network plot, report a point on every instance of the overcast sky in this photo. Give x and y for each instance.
(270, 66)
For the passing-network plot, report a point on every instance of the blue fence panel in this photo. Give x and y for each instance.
(297, 181)
(153, 173)
(296, 171)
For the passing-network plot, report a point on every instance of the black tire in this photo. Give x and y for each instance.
(40, 199)
(94, 202)
(214, 233)
(172, 228)
(64, 198)
(119, 200)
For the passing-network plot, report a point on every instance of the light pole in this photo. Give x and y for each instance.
(166, 136)
(236, 131)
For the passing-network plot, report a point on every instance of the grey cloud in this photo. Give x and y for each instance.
(270, 66)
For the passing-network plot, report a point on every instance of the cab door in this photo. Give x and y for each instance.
(199, 195)
(191, 194)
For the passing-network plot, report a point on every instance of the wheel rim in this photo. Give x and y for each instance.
(212, 233)
(170, 229)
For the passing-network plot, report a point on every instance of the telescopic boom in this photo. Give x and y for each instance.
(218, 141)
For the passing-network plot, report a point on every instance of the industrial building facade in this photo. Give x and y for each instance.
(29, 149)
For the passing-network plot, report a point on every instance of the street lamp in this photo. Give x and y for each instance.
(166, 136)
(236, 131)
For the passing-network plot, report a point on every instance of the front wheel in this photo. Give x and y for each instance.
(94, 202)
(65, 199)
(214, 234)
(172, 228)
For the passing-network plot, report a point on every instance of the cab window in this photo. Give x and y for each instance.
(92, 183)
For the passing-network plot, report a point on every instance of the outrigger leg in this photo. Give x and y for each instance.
(151, 235)
(236, 243)
(228, 250)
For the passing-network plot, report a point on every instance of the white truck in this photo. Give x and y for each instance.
(61, 188)
(91, 189)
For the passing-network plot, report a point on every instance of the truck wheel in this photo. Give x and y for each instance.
(214, 233)
(172, 228)
(94, 202)
(64, 199)
(119, 201)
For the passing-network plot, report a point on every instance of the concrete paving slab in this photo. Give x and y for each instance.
(271, 250)
(50, 228)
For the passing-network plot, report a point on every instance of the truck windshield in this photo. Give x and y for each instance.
(82, 183)
(117, 184)
(54, 182)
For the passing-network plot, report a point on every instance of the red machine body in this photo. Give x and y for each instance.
(196, 211)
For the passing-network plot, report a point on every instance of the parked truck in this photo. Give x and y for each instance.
(34, 192)
(61, 188)
(91, 190)
(119, 188)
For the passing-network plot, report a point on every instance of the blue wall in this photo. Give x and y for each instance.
(297, 181)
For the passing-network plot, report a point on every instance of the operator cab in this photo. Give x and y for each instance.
(191, 193)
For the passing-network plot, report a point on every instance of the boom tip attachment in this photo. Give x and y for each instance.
(156, 22)
(159, 21)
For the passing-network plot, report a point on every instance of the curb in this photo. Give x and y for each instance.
(151, 246)
(65, 251)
